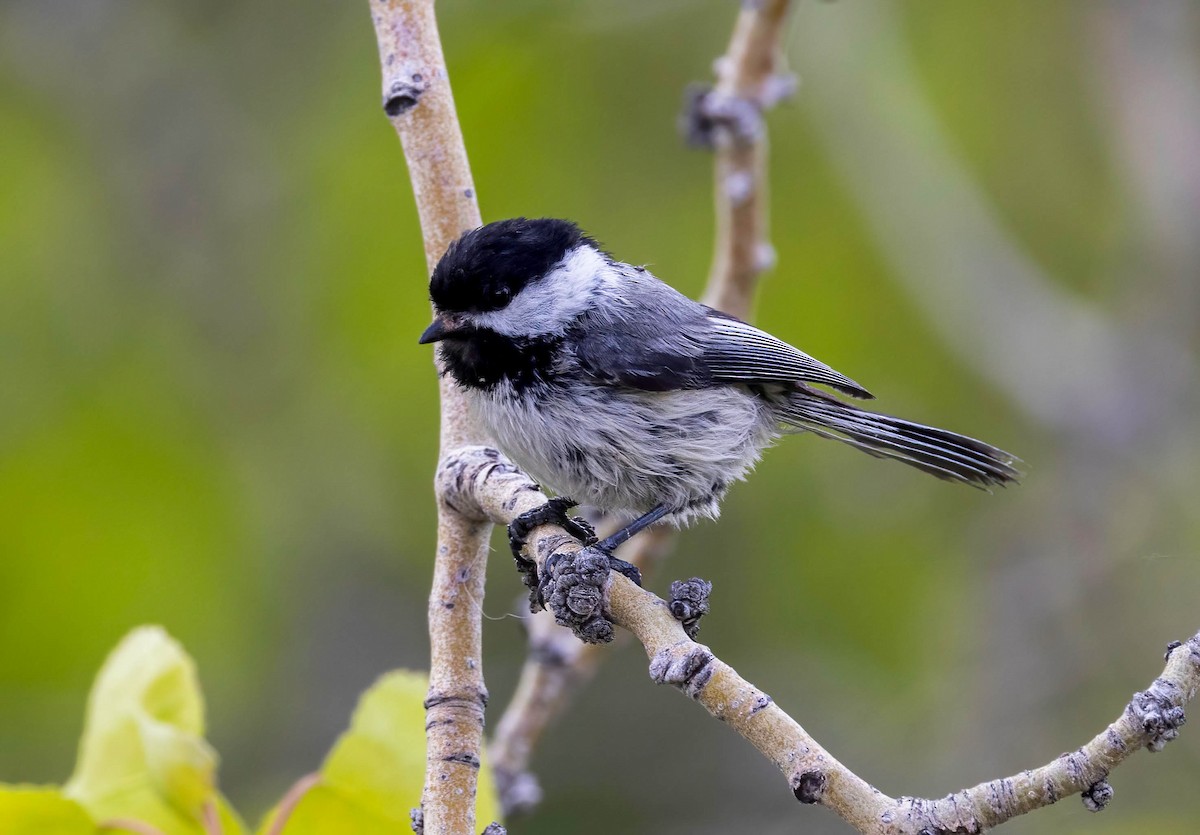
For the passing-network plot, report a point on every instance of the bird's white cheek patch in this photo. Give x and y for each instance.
(548, 305)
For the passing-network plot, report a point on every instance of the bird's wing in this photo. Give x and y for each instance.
(638, 354)
(667, 342)
(737, 352)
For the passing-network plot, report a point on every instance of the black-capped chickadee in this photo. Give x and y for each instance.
(612, 388)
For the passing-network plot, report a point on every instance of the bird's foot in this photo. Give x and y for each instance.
(554, 512)
(630, 570)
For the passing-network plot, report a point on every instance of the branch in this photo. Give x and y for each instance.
(418, 101)
(727, 118)
(491, 486)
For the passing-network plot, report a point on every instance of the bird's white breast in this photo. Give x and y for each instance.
(627, 451)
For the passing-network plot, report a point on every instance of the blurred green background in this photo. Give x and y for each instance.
(215, 415)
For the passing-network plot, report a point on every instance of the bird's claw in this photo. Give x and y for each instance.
(628, 569)
(554, 511)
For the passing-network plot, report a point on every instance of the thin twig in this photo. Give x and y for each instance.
(418, 100)
(287, 806)
(727, 118)
(496, 488)
(556, 665)
(750, 78)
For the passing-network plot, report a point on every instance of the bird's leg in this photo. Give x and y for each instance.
(612, 543)
(554, 511)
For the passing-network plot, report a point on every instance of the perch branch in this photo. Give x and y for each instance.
(493, 487)
(418, 101)
(728, 118)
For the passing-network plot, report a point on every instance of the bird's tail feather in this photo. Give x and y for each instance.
(944, 454)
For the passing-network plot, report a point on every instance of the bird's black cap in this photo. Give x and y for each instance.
(487, 266)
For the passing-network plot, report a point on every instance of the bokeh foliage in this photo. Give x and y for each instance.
(215, 415)
(144, 762)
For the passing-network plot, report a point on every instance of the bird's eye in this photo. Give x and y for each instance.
(501, 295)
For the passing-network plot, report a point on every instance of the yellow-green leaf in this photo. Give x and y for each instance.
(324, 811)
(143, 755)
(372, 778)
(41, 810)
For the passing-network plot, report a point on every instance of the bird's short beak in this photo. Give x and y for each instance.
(438, 330)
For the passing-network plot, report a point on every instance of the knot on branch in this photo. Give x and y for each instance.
(553, 651)
(417, 820)
(764, 257)
(1096, 796)
(777, 87)
(809, 786)
(689, 602)
(403, 93)
(519, 791)
(1193, 647)
(573, 587)
(1158, 714)
(708, 112)
(686, 665)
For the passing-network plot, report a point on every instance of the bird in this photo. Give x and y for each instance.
(613, 389)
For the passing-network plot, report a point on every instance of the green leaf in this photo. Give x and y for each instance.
(41, 810)
(143, 755)
(325, 811)
(372, 778)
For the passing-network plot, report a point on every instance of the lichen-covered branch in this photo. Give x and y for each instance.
(418, 101)
(729, 118)
(492, 487)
